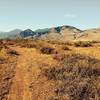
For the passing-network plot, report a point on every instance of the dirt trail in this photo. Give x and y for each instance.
(27, 66)
(20, 85)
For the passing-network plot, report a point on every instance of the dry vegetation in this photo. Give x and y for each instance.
(7, 71)
(49, 70)
(79, 78)
(83, 44)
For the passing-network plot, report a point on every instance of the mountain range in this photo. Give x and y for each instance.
(10, 34)
(61, 33)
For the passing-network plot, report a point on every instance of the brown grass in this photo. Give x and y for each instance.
(79, 76)
(7, 71)
(49, 70)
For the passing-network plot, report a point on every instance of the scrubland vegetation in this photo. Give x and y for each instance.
(79, 78)
(7, 70)
(57, 71)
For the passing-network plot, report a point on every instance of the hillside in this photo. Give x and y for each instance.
(62, 33)
(90, 35)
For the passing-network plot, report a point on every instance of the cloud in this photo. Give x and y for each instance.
(70, 15)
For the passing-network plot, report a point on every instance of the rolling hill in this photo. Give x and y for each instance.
(90, 35)
(60, 33)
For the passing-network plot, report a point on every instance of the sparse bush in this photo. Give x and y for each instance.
(6, 74)
(29, 45)
(47, 50)
(82, 44)
(66, 48)
(2, 60)
(59, 57)
(78, 75)
(95, 41)
(12, 52)
(69, 43)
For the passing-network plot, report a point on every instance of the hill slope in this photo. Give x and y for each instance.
(90, 35)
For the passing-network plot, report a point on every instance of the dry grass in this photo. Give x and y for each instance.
(7, 70)
(50, 70)
(79, 76)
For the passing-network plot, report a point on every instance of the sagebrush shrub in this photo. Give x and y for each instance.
(78, 75)
(47, 50)
(82, 44)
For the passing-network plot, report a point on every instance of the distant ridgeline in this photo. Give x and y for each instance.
(61, 33)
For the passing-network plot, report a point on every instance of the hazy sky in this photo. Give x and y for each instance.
(36, 14)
